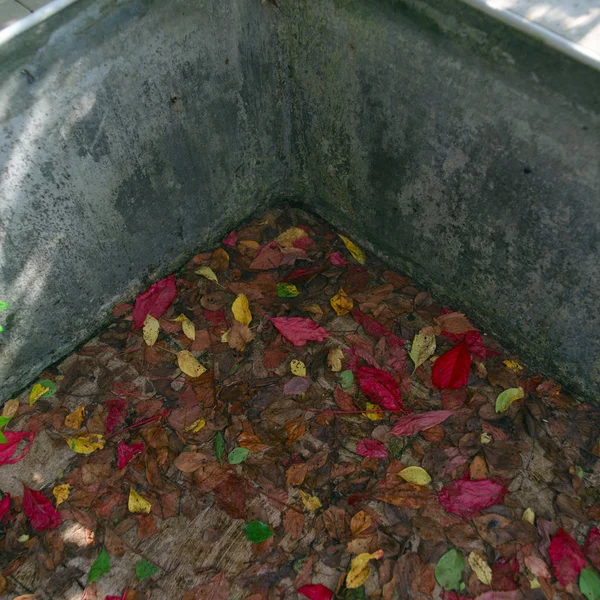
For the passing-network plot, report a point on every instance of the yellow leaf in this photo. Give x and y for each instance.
(74, 419)
(415, 475)
(37, 391)
(241, 310)
(534, 582)
(151, 329)
(187, 326)
(208, 273)
(341, 303)
(334, 359)
(311, 502)
(373, 416)
(480, 567)
(288, 237)
(356, 252)
(423, 346)
(61, 493)
(485, 438)
(86, 444)
(529, 516)
(359, 568)
(196, 426)
(189, 365)
(313, 309)
(507, 397)
(513, 366)
(137, 504)
(10, 408)
(298, 368)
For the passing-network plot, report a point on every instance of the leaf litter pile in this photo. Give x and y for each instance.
(286, 418)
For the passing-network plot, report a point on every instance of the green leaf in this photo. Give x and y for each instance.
(237, 456)
(4, 421)
(507, 397)
(287, 290)
(51, 388)
(101, 565)
(144, 569)
(1, 329)
(346, 379)
(589, 584)
(3, 305)
(219, 446)
(449, 569)
(257, 531)
(2, 438)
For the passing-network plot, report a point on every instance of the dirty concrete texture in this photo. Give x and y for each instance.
(464, 152)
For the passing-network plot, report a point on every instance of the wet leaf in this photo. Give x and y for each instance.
(237, 456)
(188, 328)
(189, 364)
(566, 556)
(357, 253)
(416, 475)
(125, 453)
(316, 591)
(154, 301)
(230, 239)
(219, 446)
(208, 273)
(589, 584)
(241, 310)
(39, 510)
(145, 569)
(465, 498)
(449, 570)
(86, 444)
(451, 370)
(346, 379)
(61, 492)
(257, 531)
(380, 388)
(137, 504)
(423, 346)
(287, 290)
(359, 569)
(507, 397)
(100, 567)
(480, 567)
(151, 330)
(341, 303)
(298, 368)
(74, 419)
(11, 408)
(360, 522)
(289, 236)
(371, 449)
(413, 424)
(335, 356)
(312, 503)
(298, 330)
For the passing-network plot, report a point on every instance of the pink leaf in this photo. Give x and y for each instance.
(304, 243)
(214, 317)
(297, 385)
(336, 259)
(512, 595)
(413, 424)
(371, 449)
(4, 506)
(123, 597)
(302, 274)
(154, 301)
(592, 547)
(465, 497)
(566, 556)
(451, 370)
(380, 388)
(8, 449)
(316, 591)
(537, 566)
(125, 453)
(116, 413)
(230, 239)
(39, 510)
(298, 330)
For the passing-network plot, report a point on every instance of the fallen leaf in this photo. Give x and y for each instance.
(117, 409)
(289, 236)
(188, 328)
(4, 506)
(423, 346)
(360, 522)
(454, 322)
(357, 253)
(465, 497)
(189, 364)
(373, 415)
(359, 569)
(219, 446)
(513, 366)
(589, 584)
(39, 510)
(335, 356)
(507, 397)
(100, 567)
(257, 531)
(371, 449)
(219, 261)
(154, 301)
(312, 503)
(44, 388)
(316, 591)
(298, 368)
(336, 259)
(529, 516)
(208, 273)
(299, 330)
(11, 408)
(196, 426)
(413, 424)
(74, 419)
(126, 452)
(230, 239)
(287, 290)
(566, 556)
(341, 303)
(379, 387)
(449, 570)
(480, 567)
(451, 370)
(346, 379)
(188, 462)
(238, 336)
(592, 546)
(416, 475)
(241, 310)
(237, 455)
(478, 468)
(137, 504)
(8, 449)
(151, 330)
(61, 492)
(86, 444)
(537, 566)
(145, 569)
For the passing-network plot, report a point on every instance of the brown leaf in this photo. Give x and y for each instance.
(455, 323)
(478, 468)
(293, 523)
(343, 399)
(360, 523)
(503, 458)
(219, 260)
(296, 474)
(337, 523)
(239, 336)
(230, 497)
(216, 589)
(113, 542)
(251, 442)
(295, 430)
(188, 462)
(146, 527)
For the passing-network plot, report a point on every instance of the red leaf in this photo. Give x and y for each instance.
(116, 413)
(4, 506)
(465, 497)
(505, 574)
(125, 453)
(493, 595)
(154, 301)
(214, 317)
(336, 258)
(39, 510)
(230, 239)
(412, 424)
(343, 400)
(298, 330)
(302, 274)
(304, 243)
(123, 597)
(316, 592)
(592, 547)
(8, 449)
(371, 326)
(451, 370)
(371, 449)
(452, 399)
(380, 388)
(566, 556)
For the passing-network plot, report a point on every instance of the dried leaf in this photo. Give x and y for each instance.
(480, 567)
(529, 516)
(189, 364)
(359, 569)
(298, 368)
(74, 419)
(371, 449)
(154, 301)
(360, 522)
(507, 397)
(208, 273)
(341, 303)
(298, 330)
(11, 408)
(61, 493)
(374, 415)
(151, 330)
(188, 462)
(455, 323)
(241, 310)
(416, 475)
(86, 444)
(42, 389)
(188, 328)
(451, 370)
(137, 504)
(312, 503)
(423, 346)
(196, 426)
(289, 236)
(335, 356)
(357, 253)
